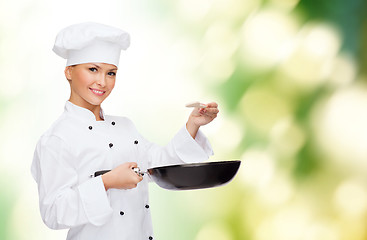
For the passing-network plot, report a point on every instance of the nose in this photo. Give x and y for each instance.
(101, 80)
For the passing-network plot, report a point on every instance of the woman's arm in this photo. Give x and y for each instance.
(189, 145)
(63, 202)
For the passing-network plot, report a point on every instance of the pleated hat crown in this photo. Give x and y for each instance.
(91, 42)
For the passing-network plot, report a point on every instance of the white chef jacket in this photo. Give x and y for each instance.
(75, 147)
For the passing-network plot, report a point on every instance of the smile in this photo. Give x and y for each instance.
(97, 92)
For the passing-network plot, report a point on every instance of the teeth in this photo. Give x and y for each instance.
(96, 91)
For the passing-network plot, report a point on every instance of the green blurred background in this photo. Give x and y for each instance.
(290, 79)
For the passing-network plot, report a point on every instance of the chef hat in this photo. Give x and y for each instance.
(91, 42)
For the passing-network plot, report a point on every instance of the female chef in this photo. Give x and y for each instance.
(84, 140)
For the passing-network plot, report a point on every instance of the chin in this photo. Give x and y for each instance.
(95, 102)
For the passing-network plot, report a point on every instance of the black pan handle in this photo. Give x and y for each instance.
(96, 174)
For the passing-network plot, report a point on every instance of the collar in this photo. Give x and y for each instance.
(81, 112)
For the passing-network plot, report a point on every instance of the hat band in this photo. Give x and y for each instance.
(98, 52)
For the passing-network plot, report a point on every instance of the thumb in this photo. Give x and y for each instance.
(195, 112)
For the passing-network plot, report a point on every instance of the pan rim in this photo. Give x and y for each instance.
(201, 164)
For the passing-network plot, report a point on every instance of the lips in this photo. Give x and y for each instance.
(97, 92)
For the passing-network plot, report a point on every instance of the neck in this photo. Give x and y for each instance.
(95, 109)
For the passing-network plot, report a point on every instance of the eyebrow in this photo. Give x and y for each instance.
(97, 66)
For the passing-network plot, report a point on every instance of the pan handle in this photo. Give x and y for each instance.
(96, 174)
(136, 170)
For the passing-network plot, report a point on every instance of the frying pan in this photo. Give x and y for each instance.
(191, 176)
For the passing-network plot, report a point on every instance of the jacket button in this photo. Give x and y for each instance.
(147, 206)
(136, 142)
(150, 238)
(90, 127)
(113, 123)
(122, 213)
(110, 145)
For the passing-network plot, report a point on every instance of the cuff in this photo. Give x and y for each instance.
(95, 201)
(203, 141)
(192, 150)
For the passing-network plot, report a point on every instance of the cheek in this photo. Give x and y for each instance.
(83, 79)
(111, 84)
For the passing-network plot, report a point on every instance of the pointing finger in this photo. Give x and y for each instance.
(212, 105)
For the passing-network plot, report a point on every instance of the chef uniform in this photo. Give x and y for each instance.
(77, 145)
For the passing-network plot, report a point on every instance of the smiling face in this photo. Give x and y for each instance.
(90, 83)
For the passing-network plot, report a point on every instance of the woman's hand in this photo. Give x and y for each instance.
(122, 177)
(200, 117)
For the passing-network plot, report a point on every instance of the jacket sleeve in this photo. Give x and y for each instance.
(181, 149)
(63, 202)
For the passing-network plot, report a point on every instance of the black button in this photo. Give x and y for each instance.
(147, 206)
(136, 142)
(113, 123)
(90, 127)
(122, 213)
(111, 145)
(150, 238)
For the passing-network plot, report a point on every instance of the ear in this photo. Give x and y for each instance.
(68, 71)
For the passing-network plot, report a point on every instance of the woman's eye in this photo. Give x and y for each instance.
(112, 74)
(93, 69)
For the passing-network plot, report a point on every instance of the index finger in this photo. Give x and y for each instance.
(133, 164)
(212, 105)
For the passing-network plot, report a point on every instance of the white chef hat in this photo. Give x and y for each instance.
(91, 42)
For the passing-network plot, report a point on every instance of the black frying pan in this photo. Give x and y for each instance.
(191, 176)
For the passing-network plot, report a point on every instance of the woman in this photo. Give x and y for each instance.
(84, 140)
